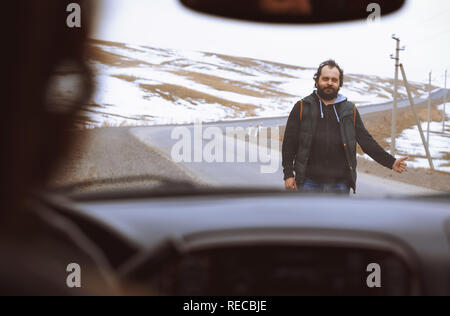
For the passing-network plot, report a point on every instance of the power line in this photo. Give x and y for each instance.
(438, 33)
(432, 17)
(431, 37)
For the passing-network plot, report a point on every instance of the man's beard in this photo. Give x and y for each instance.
(327, 96)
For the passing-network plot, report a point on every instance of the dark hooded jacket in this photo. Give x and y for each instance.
(320, 142)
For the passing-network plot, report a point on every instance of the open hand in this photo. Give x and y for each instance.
(399, 165)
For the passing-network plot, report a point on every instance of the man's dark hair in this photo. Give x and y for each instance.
(332, 64)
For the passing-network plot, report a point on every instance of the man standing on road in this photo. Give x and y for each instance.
(319, 144)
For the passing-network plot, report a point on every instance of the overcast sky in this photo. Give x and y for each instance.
(423, 26)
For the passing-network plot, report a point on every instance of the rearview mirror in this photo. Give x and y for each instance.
(293, 11)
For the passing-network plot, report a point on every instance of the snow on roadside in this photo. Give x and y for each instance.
(133, 105)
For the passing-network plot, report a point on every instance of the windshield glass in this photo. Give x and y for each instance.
(182, 97)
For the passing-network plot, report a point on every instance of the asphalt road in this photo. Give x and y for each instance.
(251, 174)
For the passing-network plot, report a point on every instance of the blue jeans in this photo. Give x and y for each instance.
(314, 187)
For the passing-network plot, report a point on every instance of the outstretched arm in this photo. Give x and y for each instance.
(374, 150)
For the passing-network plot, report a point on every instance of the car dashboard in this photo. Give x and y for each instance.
(271, 243)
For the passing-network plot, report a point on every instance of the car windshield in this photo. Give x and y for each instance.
(182, 97)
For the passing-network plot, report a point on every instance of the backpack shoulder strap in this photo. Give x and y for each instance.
(301, 109)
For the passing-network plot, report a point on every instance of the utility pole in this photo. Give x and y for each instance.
(419, 125)
(445, 103)
(394, 107)
(429, 109)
